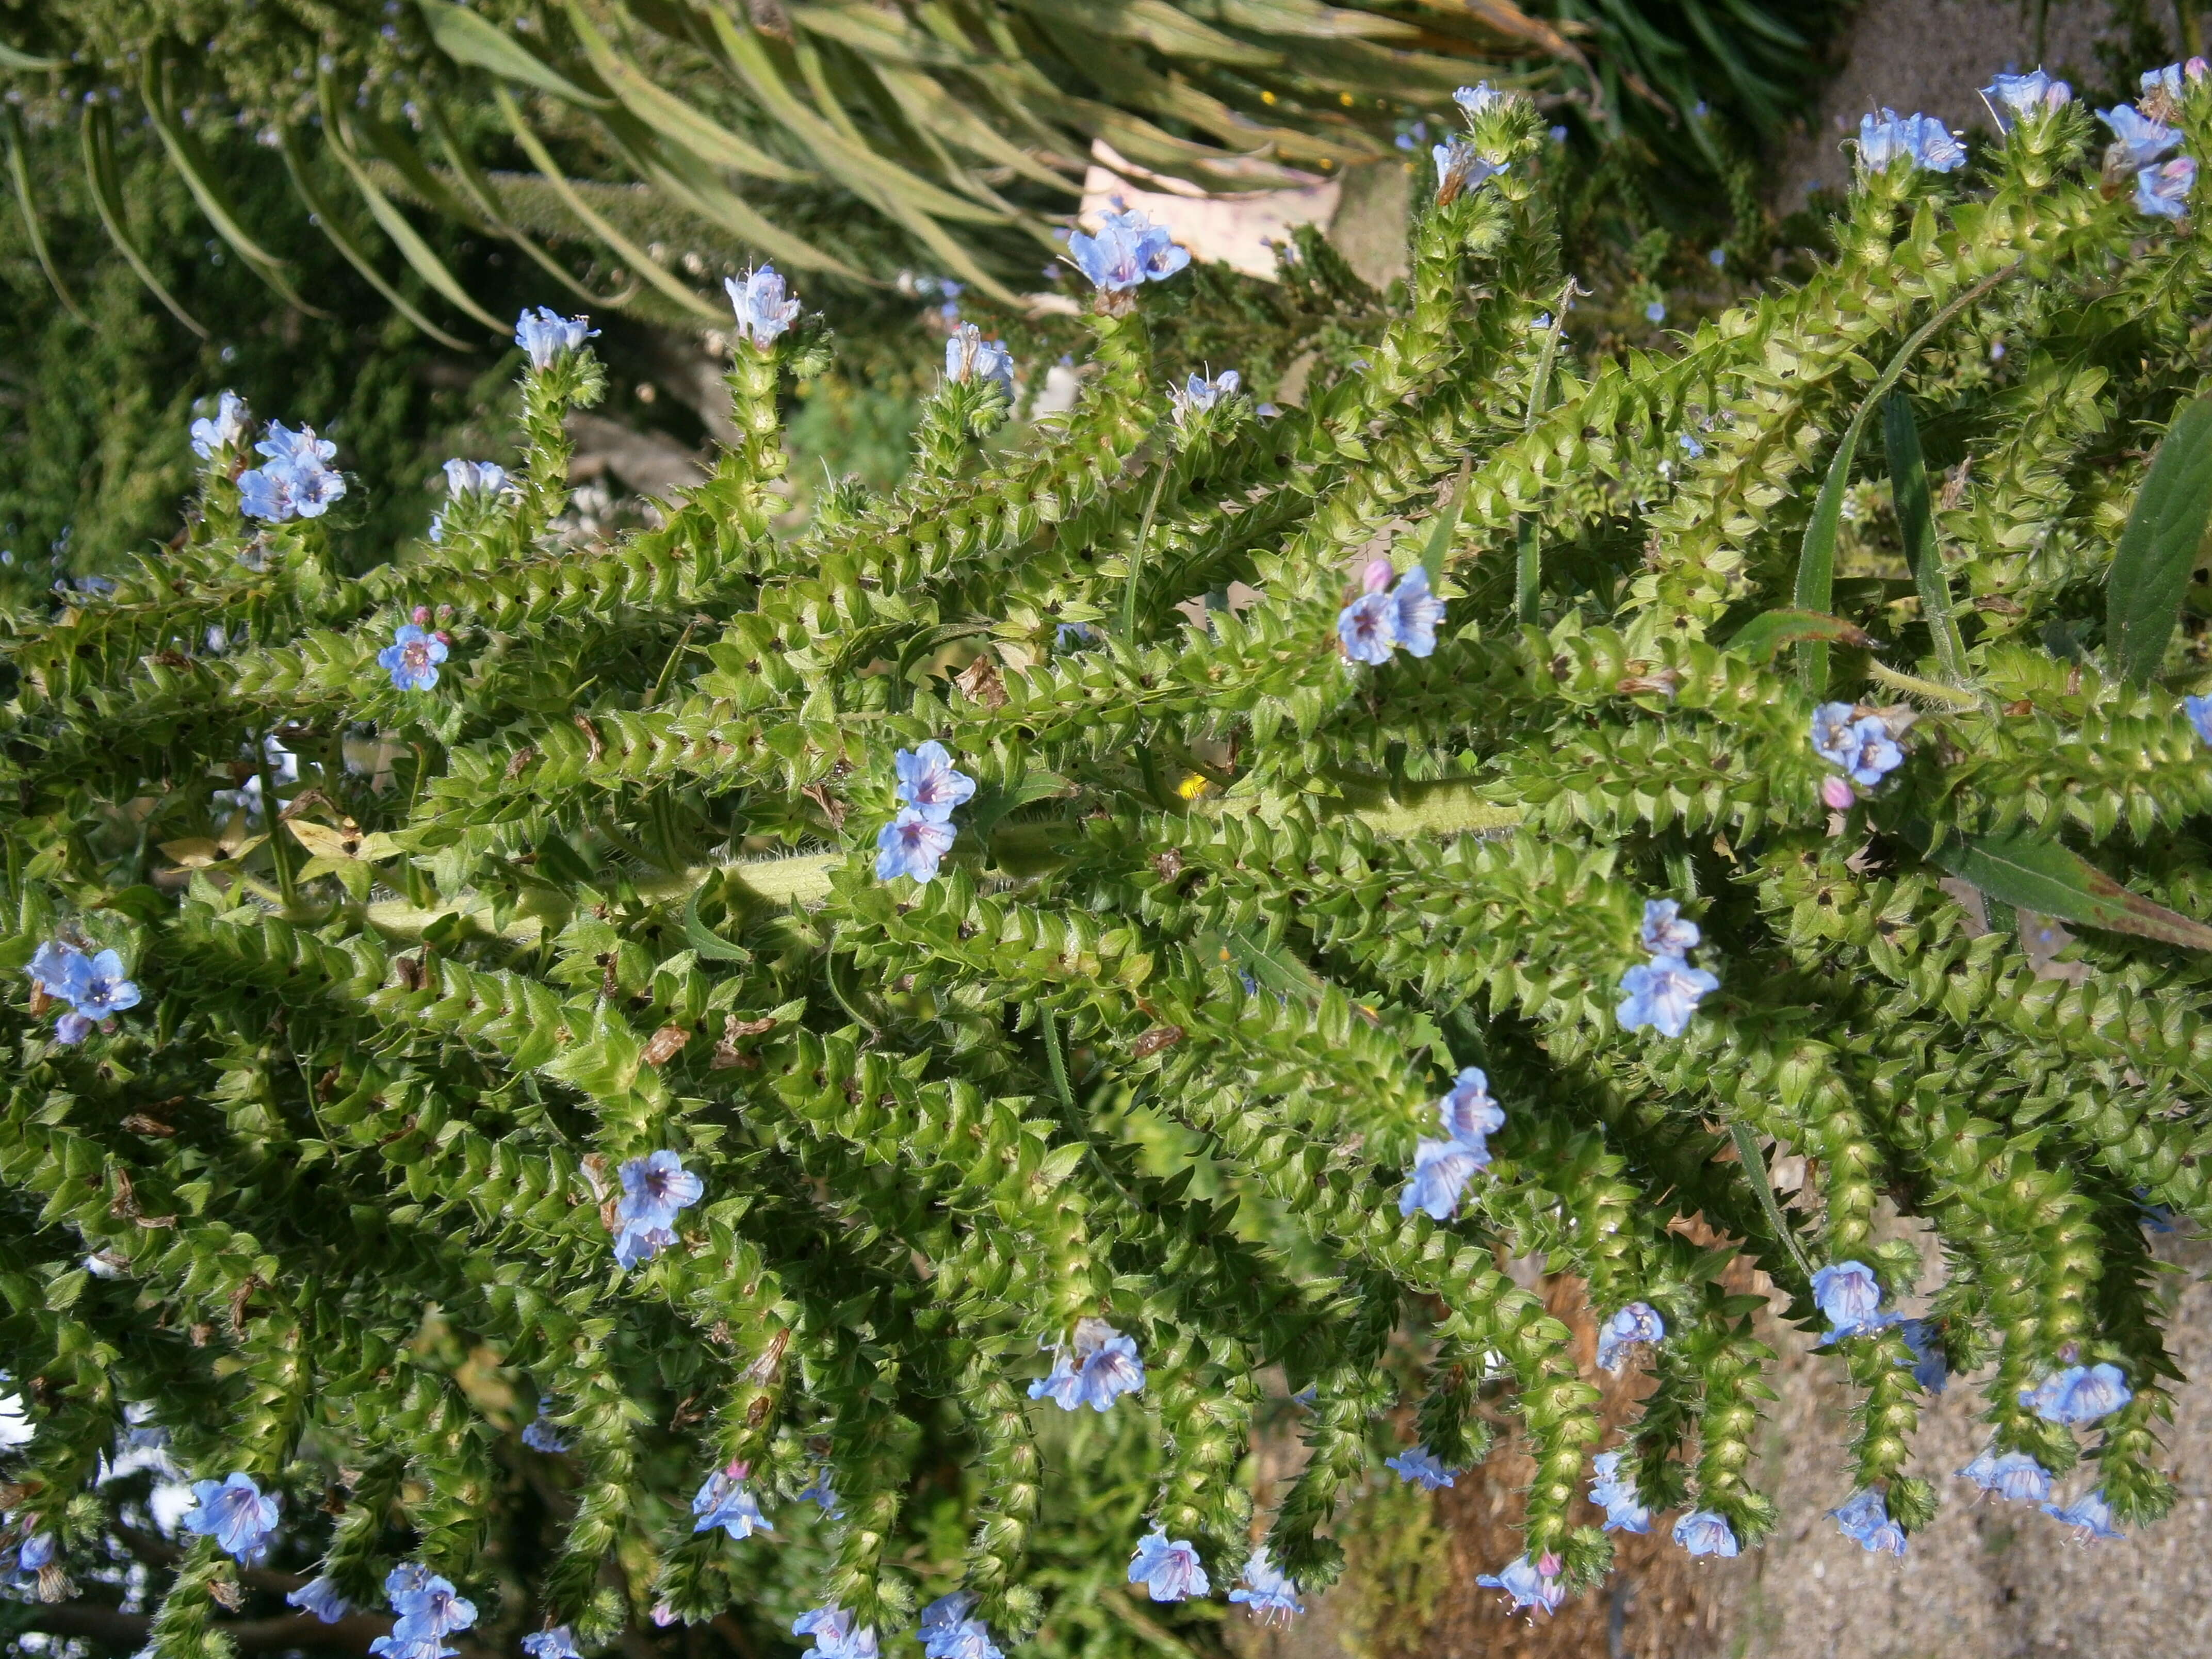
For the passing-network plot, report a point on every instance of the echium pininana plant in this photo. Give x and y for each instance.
(715, 972)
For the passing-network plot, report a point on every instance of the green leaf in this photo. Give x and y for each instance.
(2159, 548)
(468, 39)
(1447, 525)
(702, 939)
(13, 59)
(1059, 1163)
(98, 133)
(1915, 521)
(2052, 880)
(1754, 1171)
(1768, 633)
(990, 805)
(34, 230)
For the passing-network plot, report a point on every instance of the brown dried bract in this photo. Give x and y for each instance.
(591, 736)
(523, 757)
(664, 1044)
(1160, 1037)
(980, 680)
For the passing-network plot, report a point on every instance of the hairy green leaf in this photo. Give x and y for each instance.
(2159, 548)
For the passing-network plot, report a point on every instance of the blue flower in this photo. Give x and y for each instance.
(1368, 629)
(2090, 1514)
(2080, 1393)
(1468, 1112)
(822, 1491)
(1640, 1321)
(1926, 140)
(2011, 96)
(540, 1434)
(1864, 1519)
(1129, 251)
(1624, 1510)
(912, 844)
(833, 1635)
(947, 1632)
(2199, 710)
(412, 658)
(1533, 1584)
(1168, 1568)
(1097, 1369)
(2163, 190)
(36, 1553)
(296, 482)
(1199, 394)
(1861, 745)
(1421, 612)
(1930, 1370)
(2144, 139)
(320, 1597)
(764, 310)
(430, 1609)
(475, 477)
(54, 966)
(1655, 312)
(1459, 169)
(2167, 80)
(969, 356)
(724, 1500)
(548, 337)
(1442, 1170)
(1073, 636)
(929, 783)
(235, 1514)
(1691, 447)
(1265, 1591)
(1479, 97)
(1665, 934)
(2014, 1475)
(655, 1187)
(641, 1241)
(1850, 1296)
(1420, 1464)
(226, 430)
(1705, 1532)
(558, 1642)
(1717, 257)
(396, 1647)
(1661, 993)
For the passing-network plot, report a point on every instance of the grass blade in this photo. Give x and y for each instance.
(339, 238)
(1915, 520)
(19, 176)
(468, 39)
(98, 133)
(2158, 548)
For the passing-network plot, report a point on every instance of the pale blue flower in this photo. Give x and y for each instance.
(1930, 1370)
(2089, 1515)
(412, 658)
(225, 430)
(1717, 257)
(1468, 1112)
(947, 1632)
(1655, 312)
(822, 1491)
(548, 337)
(1861, 745)
(833, 1635)
(724, 1500)
(71, 1029)
(1442, 1170)
(1640, 1321)
(2014, 1475)
(2199, 710)
(764, 310)
(36, 1553)
(912, 844)
(2163, 190)
(1624, 1510)
(1926, 140)
(2167, 80)
(929, 783)
(1459, 168)
(2080, 1393)
(969, 356)
(541, 1433)
(2012, 96)
(1368, 627)
(1662, 993)
(637, 1241)
(54, 966)
(475, 477)
(1533, 1584)
(430, 1609)
(2145, 140)
(558, 1642)
(397, 1647)
(1096, 1369)
(1691, 447)
(1665, 932)
(296, 482)
(1168, 1568)
(1129, 251)
(1419, 613)
(234, 1513)
(320, 1597)
(1266, 1592)
(1864, 1519)
(1479, 97)
(1420, 1464)
(1850, 1296)
(1705, 1532)
(1198, 393)
(655, 1187)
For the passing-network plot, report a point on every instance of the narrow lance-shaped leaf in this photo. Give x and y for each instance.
(1915, 521)
(97, 132)
(468, 39)
(1768, 633)
(2158, 548)
(19, 175)
(2053, 880)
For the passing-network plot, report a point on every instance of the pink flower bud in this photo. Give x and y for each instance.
(442, 637)
(1549, 1563)
(1377, 575)
(420, 615)
(663, 1616)
(2197, 69)
(1836, 794)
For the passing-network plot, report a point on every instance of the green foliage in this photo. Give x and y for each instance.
(1157, 1040)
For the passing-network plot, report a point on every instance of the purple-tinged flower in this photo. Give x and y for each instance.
(1420, 1464)
(320, 1597)
(1129, 251)
(1468, 1112)
(1367, 628)
(1095, 1369)
(1837, 793)
(1662, 993)
(1479, 97)
(1705, 1532)
(1442, 1170)
(1459, 169)
(225, 430)
(2089, 1515)
(1266, 1593)
(2199, 710)
(1850, 1296)
(2167, 80)
(555, 1642)
(724, 1500)
(36, 1553)
(548, 337)
(912, 844)
(1930, 1370)
(2014, 1475)
(655, 1187)
(969, 356)
(2080, 1393)
(822, 1491)
(929, 783)
(1665, 932)
(1924, 139)
(1624, 1510)
(764, 309)
(412, 658)
(663, 1616)
(1640, 1321)
(2145, 140)
(2012, 96)
(541, 1434)
(637, 1241)
(1168, 1568)
(1861, 744)
(474, 477)
(430, 1610)
(71, 1029)
(54, 967)
(1864, 1519)
(2163, 190)
(833, 1635)
(1198, 393)
(1421, 612)
(234, 1513)
(1533, 1584)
